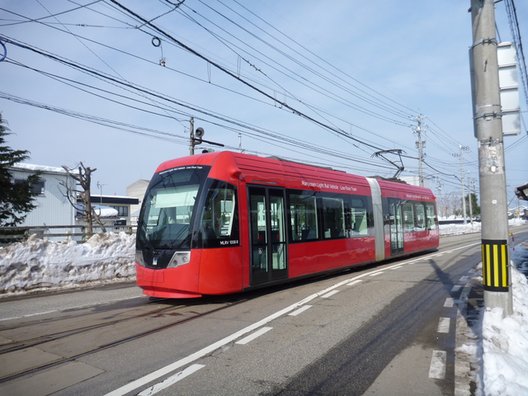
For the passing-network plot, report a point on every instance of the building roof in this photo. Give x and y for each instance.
(113, 200)
(38, 168)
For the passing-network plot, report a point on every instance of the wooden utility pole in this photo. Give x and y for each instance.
(487, 114)
(191, 136)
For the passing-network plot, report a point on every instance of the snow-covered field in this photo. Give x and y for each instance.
(39, 264)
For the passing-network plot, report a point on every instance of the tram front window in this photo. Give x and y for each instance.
(167, 213)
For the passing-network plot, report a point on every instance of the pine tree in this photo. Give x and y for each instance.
(16, 198)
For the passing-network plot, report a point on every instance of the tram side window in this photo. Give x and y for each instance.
(431, 217)
(408, 217)
(219, 221)
(333, 217)
(419, 216)
(303, 215)
(356, 218)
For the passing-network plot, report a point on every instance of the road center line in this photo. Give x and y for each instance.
(300, 310)
(171, 380)
(330, 294)
(251, 337)
(355, 282)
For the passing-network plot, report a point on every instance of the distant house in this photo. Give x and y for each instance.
(121, 204)
(52, 205)
(137, 190)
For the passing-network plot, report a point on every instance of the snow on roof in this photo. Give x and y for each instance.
(39, 168)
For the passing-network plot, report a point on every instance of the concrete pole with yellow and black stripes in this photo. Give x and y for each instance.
(487, 114)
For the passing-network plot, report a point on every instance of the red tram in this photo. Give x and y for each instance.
(225, 222)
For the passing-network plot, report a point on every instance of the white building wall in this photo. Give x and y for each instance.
(53, 208)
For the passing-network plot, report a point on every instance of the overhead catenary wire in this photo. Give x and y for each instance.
(290, 73)
(366, 89)
(294, 110)
(276, 136)
(251, 86)
(84, 38)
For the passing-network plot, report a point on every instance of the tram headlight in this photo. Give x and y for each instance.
(179, 258)
(139, 257)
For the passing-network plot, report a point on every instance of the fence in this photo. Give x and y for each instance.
(56, 232)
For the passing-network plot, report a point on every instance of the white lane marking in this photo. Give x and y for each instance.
(29, 315)
(300, 310)
(376, 273)
(438, 365)
(171, 380)
(355, 282)
(443, 325)
(232, 337)
(449, 302)
(69, 308)
(463, 279)
(456, 288)
(330, 294)
(396, 267)
(256, 334)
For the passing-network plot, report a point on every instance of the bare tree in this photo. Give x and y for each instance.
(84, 180)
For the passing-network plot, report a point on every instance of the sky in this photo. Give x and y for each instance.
(329, 83)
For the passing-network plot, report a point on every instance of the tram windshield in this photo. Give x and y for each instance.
(167, 214)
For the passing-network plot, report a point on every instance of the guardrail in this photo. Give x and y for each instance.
(75, 232)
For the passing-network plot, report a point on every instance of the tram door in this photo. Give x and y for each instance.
(268, 235)
(396, 226)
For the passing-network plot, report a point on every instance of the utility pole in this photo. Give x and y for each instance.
(470, 200)
(420, 145)
(488, 131)
(462, 171)
(191, 136)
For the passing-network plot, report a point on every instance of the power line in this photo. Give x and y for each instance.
(289, 72)
(379, 95)
(95, 119)
(51, 15)
(228, 72)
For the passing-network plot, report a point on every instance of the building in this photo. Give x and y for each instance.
(52, 205)
(122, 204)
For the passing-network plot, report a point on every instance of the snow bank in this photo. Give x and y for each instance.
(39, 263)
(505, 344)
(459, 229)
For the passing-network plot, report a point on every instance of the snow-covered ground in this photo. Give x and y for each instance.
(505, 344)
(39, 264)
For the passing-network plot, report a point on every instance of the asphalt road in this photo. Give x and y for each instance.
(376, 330)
